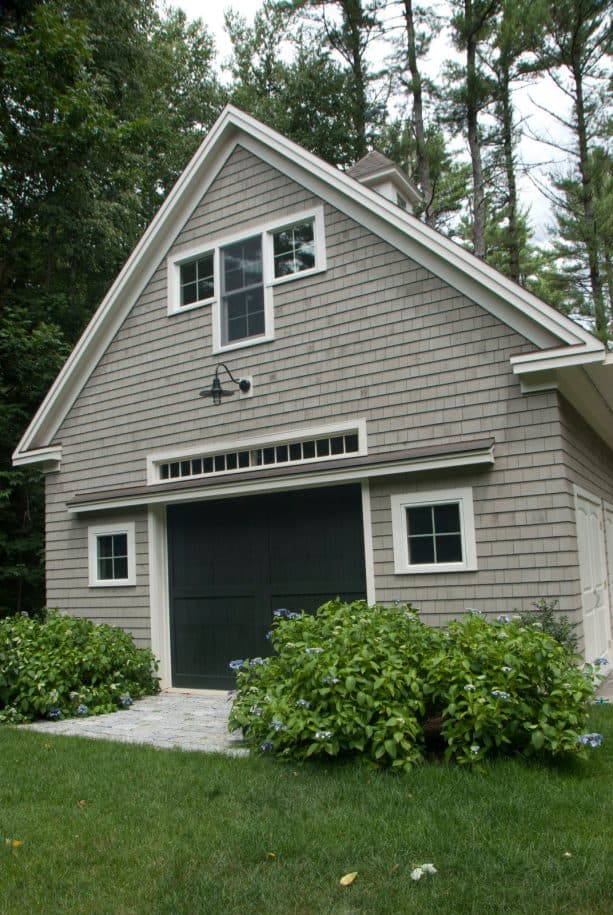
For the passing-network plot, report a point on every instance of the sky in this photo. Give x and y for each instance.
(531, 151)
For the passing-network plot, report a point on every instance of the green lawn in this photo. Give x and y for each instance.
(110, 828)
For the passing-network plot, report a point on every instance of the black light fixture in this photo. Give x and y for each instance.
(217, 392)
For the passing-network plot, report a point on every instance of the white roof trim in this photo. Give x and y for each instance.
(558, 358)
(50, 456)
(537, 321)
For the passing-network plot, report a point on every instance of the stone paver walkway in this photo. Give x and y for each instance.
(186, 720)
(189, 721)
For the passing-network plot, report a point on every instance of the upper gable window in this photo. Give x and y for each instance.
(236, 276)
(294, 249)
(242, 291)
(197, 279)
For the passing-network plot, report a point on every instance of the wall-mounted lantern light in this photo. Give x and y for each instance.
(217, 392)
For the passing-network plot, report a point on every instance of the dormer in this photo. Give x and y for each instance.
(380, 174)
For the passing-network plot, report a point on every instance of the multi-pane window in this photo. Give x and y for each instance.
(112, 557)
(294, 249)
(197, 280)
(312, 449)
(434, 534)
(434, 531)
(242, 302)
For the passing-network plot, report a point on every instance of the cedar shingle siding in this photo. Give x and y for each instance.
(375, 336)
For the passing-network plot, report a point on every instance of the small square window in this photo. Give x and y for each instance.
(112, 556)
(197, 280)
(294, 249)
(434, 532)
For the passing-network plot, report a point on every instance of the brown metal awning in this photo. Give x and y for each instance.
(317, 473)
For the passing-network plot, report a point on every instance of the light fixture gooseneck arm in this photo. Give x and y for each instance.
(216, 392)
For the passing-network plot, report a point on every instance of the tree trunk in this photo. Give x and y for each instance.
(353, 16)
(423, 167)
(474, 140)
(509, 164)
(591, 239)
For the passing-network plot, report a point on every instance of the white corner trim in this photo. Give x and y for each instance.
(261, 441)
(398, 504)
(98, 530)
(51, 456)
(158, 592)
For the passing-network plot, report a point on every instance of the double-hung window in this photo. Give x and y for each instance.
(242, 291)
(236, 276)
(434, 532)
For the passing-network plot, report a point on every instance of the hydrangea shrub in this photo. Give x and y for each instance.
(63, 666)
(507, 686)
(376, 681)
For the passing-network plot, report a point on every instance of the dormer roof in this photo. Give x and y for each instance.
(378, 172)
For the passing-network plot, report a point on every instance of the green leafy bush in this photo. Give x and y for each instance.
(376, 681)
(509, 687)
(63, 666)
(543, 615)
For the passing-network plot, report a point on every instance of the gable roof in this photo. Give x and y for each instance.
(558, 341)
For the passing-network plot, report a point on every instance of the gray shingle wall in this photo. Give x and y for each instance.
(375, 336)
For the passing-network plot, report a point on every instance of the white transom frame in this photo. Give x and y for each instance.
(399, 502)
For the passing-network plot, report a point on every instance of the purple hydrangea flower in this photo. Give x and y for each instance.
(500, 694)
(267, 745)
(126, 700)
(54, 713)
(279, 726)
(323, 735)
(82, 709)
(329, 680)
(590, 740)
(236, 665)
(302, 703)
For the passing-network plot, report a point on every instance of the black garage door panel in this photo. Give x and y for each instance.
(233, 562)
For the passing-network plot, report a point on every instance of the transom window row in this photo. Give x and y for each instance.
(287, 453)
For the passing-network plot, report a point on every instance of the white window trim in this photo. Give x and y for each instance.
(399, 504)
(214, 246)
(92, 540)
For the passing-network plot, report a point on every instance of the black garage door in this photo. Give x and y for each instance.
(233, 562)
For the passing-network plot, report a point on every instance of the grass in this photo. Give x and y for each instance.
(112, 828)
